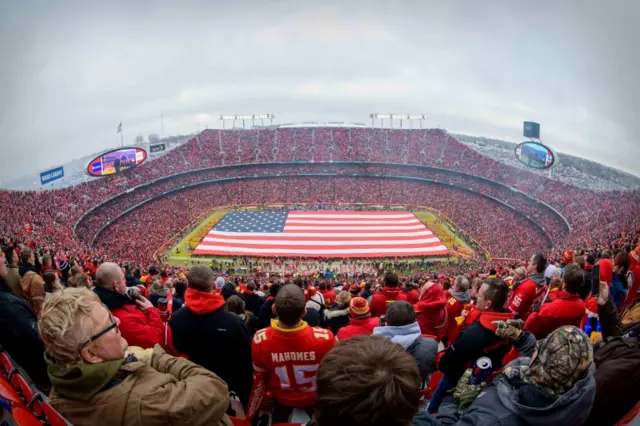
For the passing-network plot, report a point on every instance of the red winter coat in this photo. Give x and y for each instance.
(380, 300)
(431, 313)
(566, 309)
(139, 328)
(358, 327)
(525, 293)
(412, 296)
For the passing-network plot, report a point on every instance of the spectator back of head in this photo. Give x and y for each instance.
(290, 304)
(390, 279)
(401, 313)
(200, 278)
(236, 305)
(573, 278)
(462, 283)
(367, 381)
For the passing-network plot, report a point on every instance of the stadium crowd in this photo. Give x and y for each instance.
(143, 346)
(132, 344)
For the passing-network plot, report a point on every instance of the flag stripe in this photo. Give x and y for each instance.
(321, 234)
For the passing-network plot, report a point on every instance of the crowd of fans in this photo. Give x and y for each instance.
(132, 346)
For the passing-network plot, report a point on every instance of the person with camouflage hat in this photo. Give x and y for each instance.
(554, 386)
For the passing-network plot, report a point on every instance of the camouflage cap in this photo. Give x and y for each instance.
(562, 359)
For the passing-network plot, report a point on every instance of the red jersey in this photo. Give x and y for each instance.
(524, 296)
(290, 359)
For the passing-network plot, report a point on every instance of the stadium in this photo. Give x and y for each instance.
(329, 205)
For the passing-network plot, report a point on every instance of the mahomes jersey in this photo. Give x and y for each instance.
(290, 361)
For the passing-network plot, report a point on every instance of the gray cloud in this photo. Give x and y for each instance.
(72, 70)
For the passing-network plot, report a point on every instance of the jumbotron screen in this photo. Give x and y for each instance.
(116, 161)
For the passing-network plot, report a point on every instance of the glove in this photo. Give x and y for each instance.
(466, 392)
(510, 329)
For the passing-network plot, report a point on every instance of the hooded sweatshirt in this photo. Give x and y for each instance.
(512, 402)
(379, 301)
(165, 390)
(203, 328)
(525, 294)
(408, 336)
(431, 312)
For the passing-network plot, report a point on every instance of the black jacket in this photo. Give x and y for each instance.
(20, 338)
(335, 318)
(132, 281)
(476, 341)
(217, 340)
(252, 303)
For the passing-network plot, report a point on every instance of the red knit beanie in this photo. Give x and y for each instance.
(358, 307)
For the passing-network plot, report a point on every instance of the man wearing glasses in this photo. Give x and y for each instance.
(94, 382)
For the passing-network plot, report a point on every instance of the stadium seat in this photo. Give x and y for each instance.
(49, 414)
(239, 422)
(6, 363)
(23, 417)
(8, 394)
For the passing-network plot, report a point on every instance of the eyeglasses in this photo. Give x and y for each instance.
(114, 324)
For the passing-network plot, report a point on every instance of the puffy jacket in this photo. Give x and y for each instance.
(215, 339)
(422, 349)
(515, 403)
(335, 318)
(431, 312)
(475, 341)
(525, 293)
(139, 328)
(566, 309)
(358, 327)
(164, 390)
(380, 300)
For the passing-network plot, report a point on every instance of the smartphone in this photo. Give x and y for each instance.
(595, 281)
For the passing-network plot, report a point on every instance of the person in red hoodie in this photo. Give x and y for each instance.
(456, 301)
(530, 290)
(567, 308)
(389, 294)
(360, 321)
(140, 323)
(431, 312)
(411, 293)
(477, 340)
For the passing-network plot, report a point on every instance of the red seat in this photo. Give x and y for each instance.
(239, 422)
(53, 417)
(9, 394)
(23, 417)
(6, 363)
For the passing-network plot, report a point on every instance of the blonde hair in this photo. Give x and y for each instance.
(79, 280)
(65, 323)
(343, 299)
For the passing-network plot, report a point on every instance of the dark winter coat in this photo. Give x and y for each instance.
(475, 341)
(252, 302)
(19, 335)
(335, 318)
(215, 339)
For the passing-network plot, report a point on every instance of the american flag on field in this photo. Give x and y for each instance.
(321, 234)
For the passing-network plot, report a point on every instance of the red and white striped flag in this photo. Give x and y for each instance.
(321, 234)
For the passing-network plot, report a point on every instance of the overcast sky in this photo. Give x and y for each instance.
(71, 71)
